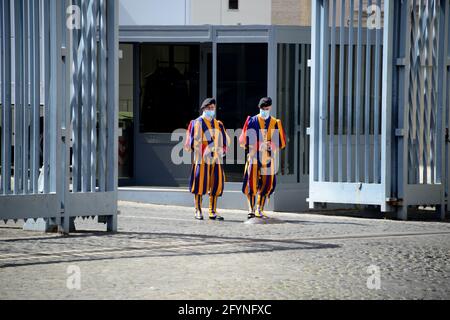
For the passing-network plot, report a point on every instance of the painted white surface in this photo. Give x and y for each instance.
(154, 12)
(193, 12)
(216, 12)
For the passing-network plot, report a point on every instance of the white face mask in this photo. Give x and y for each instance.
(265, 114)
(209, 114)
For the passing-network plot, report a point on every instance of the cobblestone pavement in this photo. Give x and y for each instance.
(161, 252)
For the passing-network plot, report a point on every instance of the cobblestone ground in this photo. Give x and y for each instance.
(160, 252)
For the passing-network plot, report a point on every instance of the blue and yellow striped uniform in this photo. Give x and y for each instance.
(207, 140)
(259, 175)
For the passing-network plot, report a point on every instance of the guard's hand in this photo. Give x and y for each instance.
(265, 146)
(221, 152)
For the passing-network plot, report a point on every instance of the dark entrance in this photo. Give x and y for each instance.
(241, 82)
(173, 80)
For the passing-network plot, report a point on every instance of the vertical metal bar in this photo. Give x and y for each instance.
(405, 99)
(18, 105)
(301, 120)
(341, 92)
(315, 83)
(64, 67)
(358, 95)
(85, 103)
(441, 92)
(35, 94)
(421, 93)
(102, 97)
(386, 136)
(307, 119)
(415, 147)
(296, 110)
(426, 106)
(47, 129)
(6, 96)
(75, 107)
(93, 27)
(2, 106)
(376, 112)
(113, 106)
(367, 105)
(332, 91)
(350, 95)
(323, 102)
(285, 104)
(26, 109)
(433, 87)
(54, 93)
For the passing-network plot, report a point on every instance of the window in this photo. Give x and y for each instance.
(126, 102)
(169, 86)
(241, 82)
(233, 4)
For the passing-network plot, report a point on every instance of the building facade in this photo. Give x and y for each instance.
(215, 12)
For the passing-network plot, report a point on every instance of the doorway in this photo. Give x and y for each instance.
(174, 78)
(241, 83)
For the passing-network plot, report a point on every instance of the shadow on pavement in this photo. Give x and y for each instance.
(159, 246)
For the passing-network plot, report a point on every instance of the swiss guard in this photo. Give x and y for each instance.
(206, 137)
(262, 137)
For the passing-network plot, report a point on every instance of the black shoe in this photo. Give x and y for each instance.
(198, 216)
(215, 217)
(250, 216)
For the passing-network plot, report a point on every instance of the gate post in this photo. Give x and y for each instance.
(112, 119)
(402, 45)
(444, 102)
(386, 120)
(315, 69)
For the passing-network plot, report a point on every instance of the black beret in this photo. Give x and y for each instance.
(265, 102)
(207, 102)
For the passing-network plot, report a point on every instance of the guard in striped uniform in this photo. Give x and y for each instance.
(262, 137)
(206, 137)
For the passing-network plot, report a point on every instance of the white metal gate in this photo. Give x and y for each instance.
(59, 111)
(378, 105)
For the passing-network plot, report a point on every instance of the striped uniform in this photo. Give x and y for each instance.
(259, 175)
(207, 139)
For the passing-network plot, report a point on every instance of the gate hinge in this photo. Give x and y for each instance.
(63, 52)
(308, 131)
(447, 137)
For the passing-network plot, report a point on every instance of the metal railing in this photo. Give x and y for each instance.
(379, 71)
(49, 161)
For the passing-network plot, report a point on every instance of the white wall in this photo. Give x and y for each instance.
(216, 12)
(193, 12)
(154, 12)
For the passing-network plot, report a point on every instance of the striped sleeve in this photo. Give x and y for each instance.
(282, 134)
(225, 137)
(243, 136)
(188, 144)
